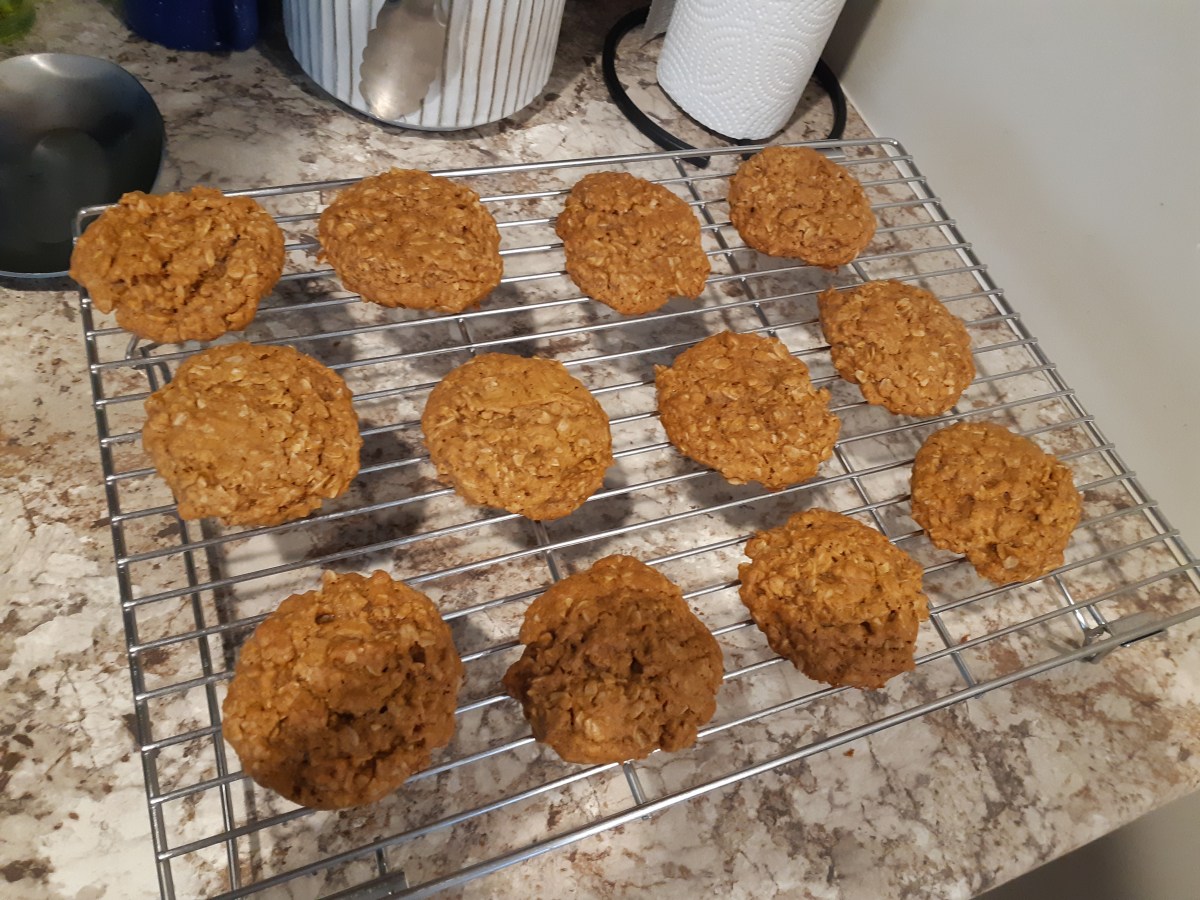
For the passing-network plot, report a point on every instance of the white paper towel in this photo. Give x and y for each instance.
(739, 66)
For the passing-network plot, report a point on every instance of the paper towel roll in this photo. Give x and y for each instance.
(739, 66)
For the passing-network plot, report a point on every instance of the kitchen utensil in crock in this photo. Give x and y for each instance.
(402, 58)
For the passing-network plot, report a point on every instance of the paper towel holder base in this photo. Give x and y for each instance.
(822, 74)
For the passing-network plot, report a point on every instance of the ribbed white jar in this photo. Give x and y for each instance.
(496, 60)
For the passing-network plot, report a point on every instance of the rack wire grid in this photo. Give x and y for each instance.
(191, 592)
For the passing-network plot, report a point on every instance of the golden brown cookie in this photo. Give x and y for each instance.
(630, 243)
(406, 238)
(900, 345)
(255, 435)
(792, 201)
(180, 267)
(835, 597)
(342, 693)
(743, 405)
(996, 497)
(516, 433)
(615, 665)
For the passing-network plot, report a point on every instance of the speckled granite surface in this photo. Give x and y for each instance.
(944, 806)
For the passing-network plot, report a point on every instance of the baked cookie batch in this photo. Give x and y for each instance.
(835, 597)
(343, 693)
(180, 267)
(406, 238)
(616, 665)
(252, 434)
(743, 405)
(900, 345)
(980, 490)
(792, 201)
(520, 434)
(631, 243)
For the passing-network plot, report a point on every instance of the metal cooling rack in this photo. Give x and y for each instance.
(191, 592)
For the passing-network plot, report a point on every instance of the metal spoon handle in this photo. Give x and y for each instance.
(402, 58)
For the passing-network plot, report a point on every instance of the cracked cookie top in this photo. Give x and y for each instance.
(182, 266)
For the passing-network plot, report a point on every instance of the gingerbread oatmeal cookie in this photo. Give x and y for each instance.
(900, 345)
(630, 243)
(407, 238)
(835, 597)
(180, 267)
(996, 497)
(792, 201)
(516, 433)
(743, 405)
(615, 665)
(342, 693)
(254, 435)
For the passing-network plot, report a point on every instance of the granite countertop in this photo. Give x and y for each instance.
(947, 805)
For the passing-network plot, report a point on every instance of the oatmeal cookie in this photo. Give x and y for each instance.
(255, 435)
(743, 405)
(900, 345)
(835, 597)
(996, 497)
(180, 267)
(516, 433)
(342, 693)
(630, 243)
(792, 201)
(615, 665)
(407, 238)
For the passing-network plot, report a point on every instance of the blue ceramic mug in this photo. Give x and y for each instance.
(195, 24)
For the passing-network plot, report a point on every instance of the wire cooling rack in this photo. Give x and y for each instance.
(192, 592)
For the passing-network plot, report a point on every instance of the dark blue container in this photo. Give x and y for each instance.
(195, 24)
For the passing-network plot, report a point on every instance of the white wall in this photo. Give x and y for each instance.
(1065, 138)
